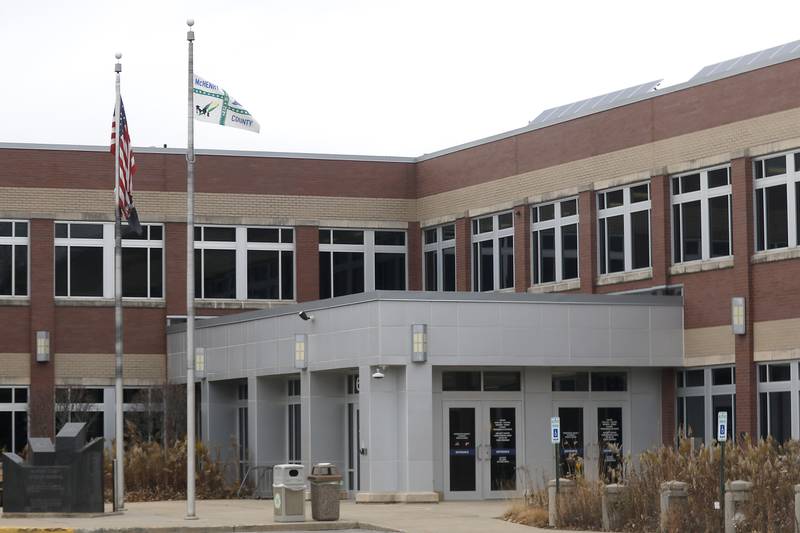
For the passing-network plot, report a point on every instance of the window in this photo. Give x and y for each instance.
(244, 263)
(487, 381)
(80, 404)
(493, 252)
(14, 242)
(777, 201)
(555, 241)
(293, 430)
(701, 215)
(352, 261)
(580, 381)
(439, 258)
(702, 394)
(777, 383)
(13, 419)
(84, 260)
(624, 228)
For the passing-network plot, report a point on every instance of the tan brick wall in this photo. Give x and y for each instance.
(720, 143)
(15, 368)
(65, 204)
(98, 369)
(708, 346)
(776, 339)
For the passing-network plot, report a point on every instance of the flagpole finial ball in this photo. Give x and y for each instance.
(118, 55)
(190, 22)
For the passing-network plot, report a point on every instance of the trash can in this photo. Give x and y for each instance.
(288, 493)
(326, 482)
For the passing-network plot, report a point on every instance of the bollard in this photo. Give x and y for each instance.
(612, 494)
(566, 487)
(674, 495)
(736, 493)
(797, 508)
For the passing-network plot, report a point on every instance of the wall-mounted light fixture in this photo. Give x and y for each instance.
(738, 324)
(419, 343)
(301, 350)
(200, 362)
(42, 346)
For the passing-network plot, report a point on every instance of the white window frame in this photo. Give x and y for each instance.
(626, 209)
(707, 391)
(369, 249)
(15, 241)
(792, 387)
(557, 222)
(703, 195)
(16, 407)
(439, 246)
(241, 246)
(106, 242)
(494, 235)
(789, 179)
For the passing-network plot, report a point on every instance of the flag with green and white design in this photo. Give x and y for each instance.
(213, 104)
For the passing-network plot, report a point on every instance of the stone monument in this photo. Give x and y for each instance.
(63, 478)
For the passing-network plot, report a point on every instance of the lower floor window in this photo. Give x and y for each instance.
(294, 433)
(775, 410)
(13, 419)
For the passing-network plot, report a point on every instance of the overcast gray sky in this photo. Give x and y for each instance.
(356, 77)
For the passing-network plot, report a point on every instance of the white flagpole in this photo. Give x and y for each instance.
(119, 503)
(190, 400)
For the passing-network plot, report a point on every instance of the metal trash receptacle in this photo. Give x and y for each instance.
(326, 482)
(288, 493)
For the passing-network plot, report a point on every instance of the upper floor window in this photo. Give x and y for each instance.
(439, 258)
(777, 199)
(14, 243)
(84, 260)
(493, 252)
(352, 261)
(701, 215)
(244, 263)
(624, 228)
(555, 241)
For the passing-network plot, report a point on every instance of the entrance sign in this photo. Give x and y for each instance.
(555, 430)
(722, 426)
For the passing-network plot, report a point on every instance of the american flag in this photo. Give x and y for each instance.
(127, 168)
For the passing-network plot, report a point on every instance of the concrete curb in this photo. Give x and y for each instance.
(285, 526)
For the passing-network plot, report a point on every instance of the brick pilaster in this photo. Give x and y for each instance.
(587, 243)
(522, 248)
(668, 406)
(42, 290)
(414, 257)
(306, 240)
(175, 267)
(660, 244)
(742, 229)
(463, 255)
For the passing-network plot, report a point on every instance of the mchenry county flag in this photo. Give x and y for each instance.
(213, 104)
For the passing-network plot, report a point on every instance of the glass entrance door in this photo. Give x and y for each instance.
(572, 441)
(609, 440)
(482, 449)
(592, 439)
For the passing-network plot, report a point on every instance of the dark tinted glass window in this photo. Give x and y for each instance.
(198, 233)
(262, 274)
(324, 236)
(461, 381)
(721, 376)
(485, 254)
(129, 233)
(448, 232)
(21, 395)
(287, 275)
(86, 231)
(449, 269)
(156, 273)
(695, 378)
(609, 381)
(759, 219)
(640, 228)
(547, 256)
(571, 382)
(430, 271)
(430, 236)
(6, 395)
(719, 226)
(348, 273)
(325, 274)
(691, 225)
(134, 272)
(640, 193)
(696, 417)
(506, 262)
(718, 177)
(6, 229)
(485, 224)
(61, 271)
(218, 233)
(779, 373)
(5, 269)
(615, 228)
(219, 273)
(501, 381)
(287, 235)
(390, 272)
(341, 236)
(614, 198)
(775, 166)
(390, 238)
(546, 212)
(676, 234)
(777, 217)
(61, 231)
(506, 220)
(156, 233)
(690, 183)
(262, 235)
(569, 208)
(780, 416)
(86, 271)
(676, 185)
(569, 251)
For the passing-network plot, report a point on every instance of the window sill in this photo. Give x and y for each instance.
(63, 301)
(569, 285)
(780, 254)
(624, 277)
(240, 304)
(11, 301)
(701, 266)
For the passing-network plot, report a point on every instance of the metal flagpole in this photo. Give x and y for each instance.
(119, 503)
(190, 400)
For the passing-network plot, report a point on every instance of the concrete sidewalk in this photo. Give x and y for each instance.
(216, 516)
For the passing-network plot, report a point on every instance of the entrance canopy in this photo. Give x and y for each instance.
(460, 329)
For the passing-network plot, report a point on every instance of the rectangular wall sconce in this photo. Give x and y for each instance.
(42, 346)
(738, 324)
(301, 350)
(419, 343)
(200, 362)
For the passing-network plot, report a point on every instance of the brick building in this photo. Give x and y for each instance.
(691, 190)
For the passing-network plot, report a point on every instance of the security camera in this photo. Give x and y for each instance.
(305, 316)
(378, 374)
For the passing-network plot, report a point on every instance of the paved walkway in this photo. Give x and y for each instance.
(256, 515)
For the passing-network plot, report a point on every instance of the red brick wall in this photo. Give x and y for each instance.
(660, 248)
(587, 240)
(463, 255)
(307, 260)
(175, 268)
(42, 319)
(522, 248)
(414, 259)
